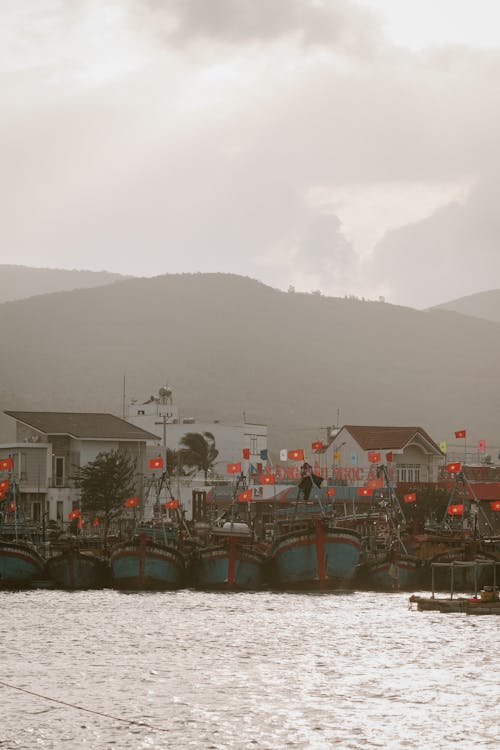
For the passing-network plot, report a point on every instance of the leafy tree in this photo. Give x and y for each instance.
(174, 463)
(198, 450)
(105, 483)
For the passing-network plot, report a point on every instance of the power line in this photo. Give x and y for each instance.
(82, 708)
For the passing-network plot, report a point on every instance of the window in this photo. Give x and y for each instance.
(59, 471)
(59, 511)
(408, 473)
(22, 466)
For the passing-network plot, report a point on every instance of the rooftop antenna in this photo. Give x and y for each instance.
(123, 397)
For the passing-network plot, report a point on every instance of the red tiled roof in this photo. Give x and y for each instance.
(386, 438)
(81, 425)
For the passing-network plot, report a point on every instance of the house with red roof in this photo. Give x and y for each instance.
(409, 453)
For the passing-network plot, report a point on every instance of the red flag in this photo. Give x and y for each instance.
(267, 479)
(12, 507)
(481, 445)
(80, 523)
(74, 514)
(365, 491)
(460, 433)
(246, 452)
(373, 457)
(410, 497)
(296, 455)
(317, 446)
(453, 468)
(388, 457)
(2, 494)
(131, 502)
(5, 464)
(4, 486)
(172, 504)
(95, 522)
(455, 510)
(233, 468)
(331, 492)
(495, 505)
(375, 484)
(245, 496)
(156, 463)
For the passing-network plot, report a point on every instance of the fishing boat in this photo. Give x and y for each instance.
(74, 567)
(152, 559)
(230, 557)
(310, 549)
(485, 601)
(20, 562)
(386, 564)
(456, 539)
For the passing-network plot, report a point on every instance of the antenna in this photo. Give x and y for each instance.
(123, 398)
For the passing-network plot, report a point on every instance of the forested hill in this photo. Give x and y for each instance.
(230, 345)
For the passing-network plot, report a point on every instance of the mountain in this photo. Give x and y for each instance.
(19, 282)
(484, 305)
(230, 345)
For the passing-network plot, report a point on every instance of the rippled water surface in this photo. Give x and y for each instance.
(263, 670)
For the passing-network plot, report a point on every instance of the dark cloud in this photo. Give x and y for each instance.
(237, 21)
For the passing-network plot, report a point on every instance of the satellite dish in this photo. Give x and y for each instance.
(163, 392)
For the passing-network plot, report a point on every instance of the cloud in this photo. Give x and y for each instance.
(248, 21)
(204, 151)
(452, 253)
(324, 258)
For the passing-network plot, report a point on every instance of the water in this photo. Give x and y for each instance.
(262, 670)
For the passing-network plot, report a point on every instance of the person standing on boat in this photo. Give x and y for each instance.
(308, 480)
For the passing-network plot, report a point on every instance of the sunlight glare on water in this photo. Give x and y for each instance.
(262, 670)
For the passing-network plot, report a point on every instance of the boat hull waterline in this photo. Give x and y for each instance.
(323, 557)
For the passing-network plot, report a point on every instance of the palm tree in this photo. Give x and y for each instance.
(198, 450)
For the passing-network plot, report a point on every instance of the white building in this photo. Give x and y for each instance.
(50, 446)
(159, 415)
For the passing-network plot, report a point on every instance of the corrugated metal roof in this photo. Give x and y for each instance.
(371, 437)
(81, 425)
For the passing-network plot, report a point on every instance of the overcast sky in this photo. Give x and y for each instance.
(350, 147)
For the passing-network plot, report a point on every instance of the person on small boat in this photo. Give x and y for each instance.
(308, 480)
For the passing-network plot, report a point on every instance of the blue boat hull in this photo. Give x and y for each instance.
(403, 573)
(77, 570)
(143, 565)
(231, 567)
(20, 564)
(319, 556)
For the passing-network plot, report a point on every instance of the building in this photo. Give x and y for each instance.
(50, 446)
(160, 415)
(410, 454)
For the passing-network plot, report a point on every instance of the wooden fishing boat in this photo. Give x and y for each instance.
(487, 601)
(150, 560)
(310, 551)
(231, 559)
(389, 571)
(76, 568)
(20, 561)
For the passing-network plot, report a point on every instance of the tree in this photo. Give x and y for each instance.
(198, 450)
(174, 462)
(105, 483)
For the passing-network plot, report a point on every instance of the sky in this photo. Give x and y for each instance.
(333, 145)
